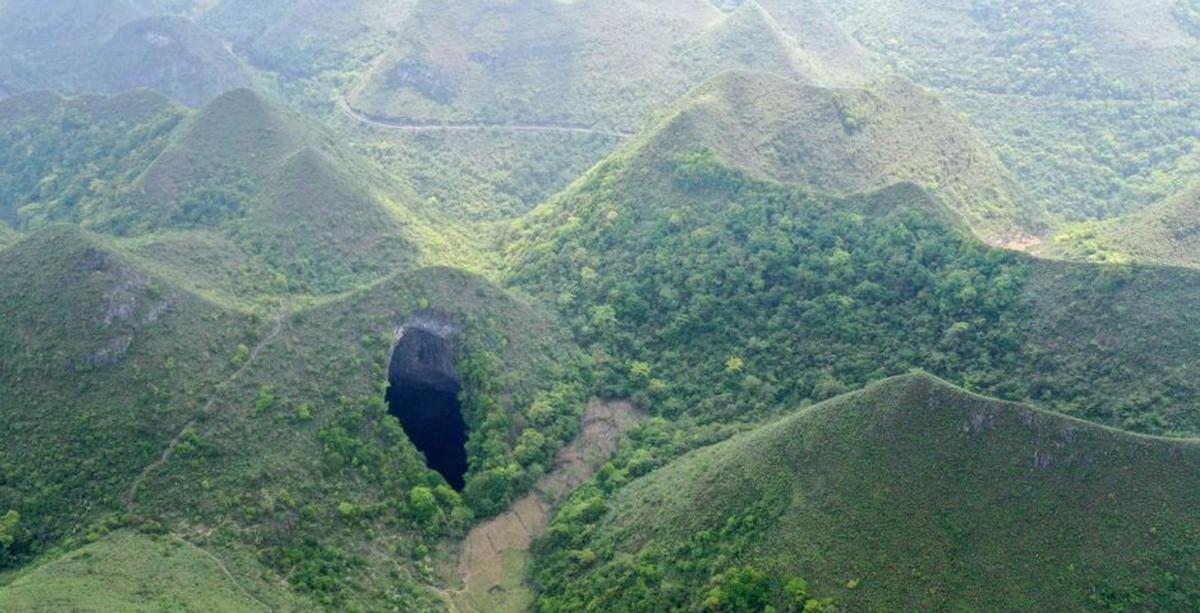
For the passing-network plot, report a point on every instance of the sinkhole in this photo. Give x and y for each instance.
(423, 394)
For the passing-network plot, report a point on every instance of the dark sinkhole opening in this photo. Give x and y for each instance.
(423, 394)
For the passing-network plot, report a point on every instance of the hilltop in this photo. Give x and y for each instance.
(127, 571)
(608, 68)
(242, 201)
(1091, 104)
(713, 293)
(77, 46)
(846, 141)
(96, 378)
(302, 303)
(909, 494)
(161, 435)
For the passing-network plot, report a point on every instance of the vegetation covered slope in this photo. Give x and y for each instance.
(1092, 104)
(263, 440)
(242, 201)
(911, 494)
(7, 235)
(97, 379)
(66, 154)
(340, 495)
(851, 140)
(572, 64)
(714, 294)
(127, 571)
(76, 46)
(1165, 234)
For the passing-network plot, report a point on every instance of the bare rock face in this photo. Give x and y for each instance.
(425, 353)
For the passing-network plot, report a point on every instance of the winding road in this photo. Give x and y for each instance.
(411, 126)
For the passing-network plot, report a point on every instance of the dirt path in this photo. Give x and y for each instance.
(131, 495)
(495, 553)
(224, 569)
(397, 124)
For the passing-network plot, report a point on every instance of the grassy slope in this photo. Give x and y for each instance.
(76, 151)
(1166, 234)
(127, 571)
(1092, 104)
(606, 67)
(97, 379)
(278, 187)
(244, 201)
(916, 494)
(656, 259)
(847, 141)
(487, 175)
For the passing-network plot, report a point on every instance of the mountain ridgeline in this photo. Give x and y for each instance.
(910, 494)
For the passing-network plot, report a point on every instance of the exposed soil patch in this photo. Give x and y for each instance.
(494, 554)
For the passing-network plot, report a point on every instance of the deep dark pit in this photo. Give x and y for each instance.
(423, 394)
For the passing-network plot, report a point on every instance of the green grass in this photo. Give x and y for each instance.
(680, 264)
(244, 202)
(1165, 234)
(127, 571)
(911, 494)
(845, 141)
(92, 403)
(482, 176)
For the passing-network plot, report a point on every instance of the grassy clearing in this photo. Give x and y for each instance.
(127, 571)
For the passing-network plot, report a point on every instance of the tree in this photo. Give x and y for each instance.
(8, 528)
(740, 589)
(422, 505)
(734, 365)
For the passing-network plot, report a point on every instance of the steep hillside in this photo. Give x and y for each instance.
(911, 494)
(711, 293)
(78, 46)
(605, 67)
(481, 175)
(126, 571)
(846, 141)
(1165, 234)
(811, 27)
(63, 156)
(243, 201)
(132, 402)
(1092, 104)
(334, 475)
(96, 378)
